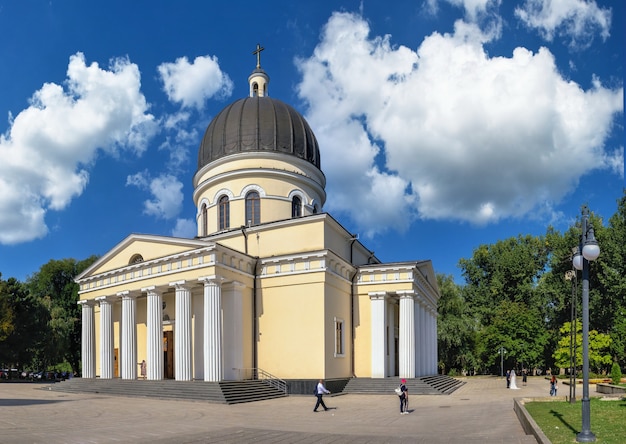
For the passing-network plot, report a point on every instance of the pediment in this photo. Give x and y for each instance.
(140, 248)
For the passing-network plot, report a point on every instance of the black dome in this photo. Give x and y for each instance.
(258, 124)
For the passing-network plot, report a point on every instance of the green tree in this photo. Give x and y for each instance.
(6, 314)
(19, 324)
(456, 329)
(505, 271)
(618, 337)
(608, 305)
(520, 330)
(599, 348)
(54, 285)
(616, 374)
(532, 271)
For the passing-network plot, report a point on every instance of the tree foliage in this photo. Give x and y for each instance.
(616, 373)
(519, 329)
(456, 328)
(599, 348)
(21, 321)
(505, 271)
(518, 297)
(54, 285)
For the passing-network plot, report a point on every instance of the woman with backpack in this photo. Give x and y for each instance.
(404, 398)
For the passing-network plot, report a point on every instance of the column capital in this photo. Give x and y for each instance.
(179, 284)
(378, 295)
(406, 294)
(126, 294)
(212, 279)
(87, 302)
(104, 299)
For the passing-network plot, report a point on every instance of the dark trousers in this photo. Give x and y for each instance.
(319, 402)
(403, 406)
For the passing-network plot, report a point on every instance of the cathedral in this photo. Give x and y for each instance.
(270, 283)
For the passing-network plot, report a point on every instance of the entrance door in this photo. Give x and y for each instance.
(116, 366)
(168, 354)
(396, 355)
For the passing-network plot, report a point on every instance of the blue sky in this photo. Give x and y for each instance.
(442, 124)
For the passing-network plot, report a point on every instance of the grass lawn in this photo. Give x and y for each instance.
(561, 421)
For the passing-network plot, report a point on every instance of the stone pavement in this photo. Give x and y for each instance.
(481, 411)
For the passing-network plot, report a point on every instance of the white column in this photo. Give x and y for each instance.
(213, 354)
(88, 339)
(417, 358)
(390, 366)
(378, 304)
(106, 337)
(434, 368)
(154, 325)
(424, 340)
(431, 348)
(407, 335)
(128, 358)
(436, 345)
(182, 333)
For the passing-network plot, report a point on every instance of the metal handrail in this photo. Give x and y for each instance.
(261, 375)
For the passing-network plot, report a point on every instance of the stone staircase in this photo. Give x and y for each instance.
(225, 392)
(249, 390)
(236, 392)
(428, 385)
(444, 384)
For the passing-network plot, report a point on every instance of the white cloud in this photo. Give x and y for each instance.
(484, 13)
(185, 228)
(166, 191)
(192, 84)
(447, 132)
(48, 146)
(180, 136)
(576, 20)
(615, 161)
(140, 180)
(473, 8)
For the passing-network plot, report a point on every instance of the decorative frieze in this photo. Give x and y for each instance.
(189, 260)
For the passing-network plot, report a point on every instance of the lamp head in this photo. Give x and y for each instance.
(591, 249)
(577, 260)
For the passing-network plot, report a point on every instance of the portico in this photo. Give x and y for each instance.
(411, 351)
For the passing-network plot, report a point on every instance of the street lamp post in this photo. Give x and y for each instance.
(571, 276)
(588, 250)
(502, 351)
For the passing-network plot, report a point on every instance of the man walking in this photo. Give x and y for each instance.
(319, 392)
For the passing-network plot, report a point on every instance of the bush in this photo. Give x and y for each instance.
(616, 373)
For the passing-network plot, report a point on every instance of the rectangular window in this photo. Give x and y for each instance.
(224, 213)
(253, 208)
(339, 337)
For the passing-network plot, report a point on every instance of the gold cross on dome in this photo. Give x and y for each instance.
(258, 55)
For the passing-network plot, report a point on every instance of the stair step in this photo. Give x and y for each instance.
(230, 392)
(428, 385)
(234, 392)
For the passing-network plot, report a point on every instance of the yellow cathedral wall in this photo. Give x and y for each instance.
(293, 340)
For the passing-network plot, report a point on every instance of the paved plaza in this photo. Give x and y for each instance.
(481, 411)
